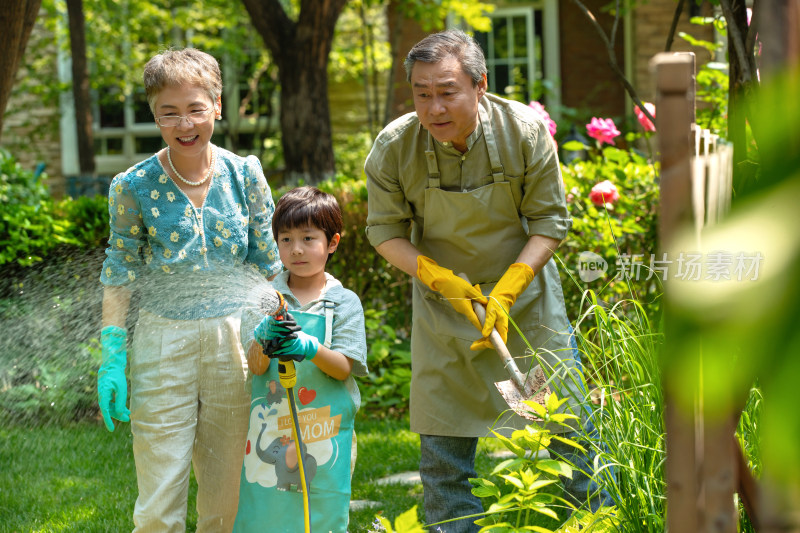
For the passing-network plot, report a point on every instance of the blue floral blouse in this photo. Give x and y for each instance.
(180, 258)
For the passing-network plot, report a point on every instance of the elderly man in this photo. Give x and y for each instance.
(470, 183)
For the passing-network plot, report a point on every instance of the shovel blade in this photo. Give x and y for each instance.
(536, 390)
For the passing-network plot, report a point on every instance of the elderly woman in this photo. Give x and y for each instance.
(183, 224)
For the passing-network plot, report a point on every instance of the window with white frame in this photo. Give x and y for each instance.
(522, 51)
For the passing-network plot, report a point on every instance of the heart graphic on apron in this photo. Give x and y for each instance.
(306, 396)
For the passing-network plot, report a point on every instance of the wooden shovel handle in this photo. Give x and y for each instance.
(497, 341)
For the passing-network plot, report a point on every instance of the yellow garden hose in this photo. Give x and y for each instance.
(288, 378)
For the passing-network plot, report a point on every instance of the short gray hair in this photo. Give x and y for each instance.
(173, 68)
(455, 43)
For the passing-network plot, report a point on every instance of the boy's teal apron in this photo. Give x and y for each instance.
(269, 499)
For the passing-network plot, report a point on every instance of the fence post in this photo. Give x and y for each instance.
(674, 77)
(701, 452)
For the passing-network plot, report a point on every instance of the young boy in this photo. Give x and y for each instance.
(331, 346)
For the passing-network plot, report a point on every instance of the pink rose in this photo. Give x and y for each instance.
(604, 192)
(602, 129)
(646, 123)
(545, 116)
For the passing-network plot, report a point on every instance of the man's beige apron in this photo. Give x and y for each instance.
(480, 233)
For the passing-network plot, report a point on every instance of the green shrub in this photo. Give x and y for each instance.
(387, 389)
(33, 225)
(50, 256)
(85, 220)
(29, 228)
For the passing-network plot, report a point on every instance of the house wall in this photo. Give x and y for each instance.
(651, 26)
(587, 80)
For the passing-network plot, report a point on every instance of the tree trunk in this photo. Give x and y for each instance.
(17, 18)
(301, 50)
(80, 86)
(738, 90)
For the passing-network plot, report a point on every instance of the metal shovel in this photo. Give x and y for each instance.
(520, 387)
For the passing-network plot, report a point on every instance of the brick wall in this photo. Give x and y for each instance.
(650, 30)
(587, 81)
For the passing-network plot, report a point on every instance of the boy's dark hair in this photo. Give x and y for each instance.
(307, 206)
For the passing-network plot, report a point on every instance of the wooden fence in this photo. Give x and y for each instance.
(704, 464)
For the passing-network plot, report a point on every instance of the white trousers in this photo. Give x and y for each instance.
(190, 404)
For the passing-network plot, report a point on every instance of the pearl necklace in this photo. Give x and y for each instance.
(194, 183)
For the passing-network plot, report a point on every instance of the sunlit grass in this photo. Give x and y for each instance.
(79, 478)
(82, 478)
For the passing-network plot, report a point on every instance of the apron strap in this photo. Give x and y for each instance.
(491, 146)
(433, 165)
(328, 323)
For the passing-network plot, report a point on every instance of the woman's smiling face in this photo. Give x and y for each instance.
(186, 139)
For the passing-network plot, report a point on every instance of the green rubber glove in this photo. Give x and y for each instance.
(304, 346)
(458, 292)
(515, 280)
(112, 388)
(272, 328)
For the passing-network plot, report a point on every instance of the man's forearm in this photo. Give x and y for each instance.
(400, 253)
(538, 251)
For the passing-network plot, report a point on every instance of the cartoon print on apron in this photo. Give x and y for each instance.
(480, 233)
(270, 492)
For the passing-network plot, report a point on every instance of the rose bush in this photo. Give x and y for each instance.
(613, 200)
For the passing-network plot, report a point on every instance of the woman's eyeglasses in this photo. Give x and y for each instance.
(195, 117)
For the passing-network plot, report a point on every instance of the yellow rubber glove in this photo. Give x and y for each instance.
(515, 280)
(458, 292)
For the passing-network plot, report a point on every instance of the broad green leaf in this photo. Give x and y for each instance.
(513, 480)
(574, 146)
(557, 468)
(484, 488)
(545, 511)
(535, 407)
(408, 522)
(513, 447)
(553, 403)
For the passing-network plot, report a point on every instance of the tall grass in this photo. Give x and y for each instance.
(620, 347)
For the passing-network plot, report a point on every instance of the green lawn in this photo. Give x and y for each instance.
(82, 478)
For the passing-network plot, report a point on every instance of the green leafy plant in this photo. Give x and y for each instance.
(85, 220)
(387, 388)
(33, 225)
(517, 492)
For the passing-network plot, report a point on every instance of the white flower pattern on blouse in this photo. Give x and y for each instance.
(236, 217)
